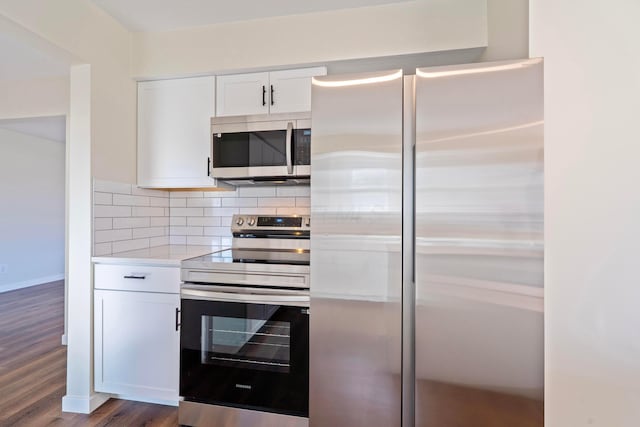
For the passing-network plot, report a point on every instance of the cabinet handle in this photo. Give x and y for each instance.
(177, 319)
(271, 94)
(135, 276)
(264, 93)
(208, 166)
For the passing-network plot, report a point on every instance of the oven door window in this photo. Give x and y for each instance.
(253, 356)
(260, 344)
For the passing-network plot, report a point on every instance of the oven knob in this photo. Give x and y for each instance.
(239, 221)
(308, 222)
(251, 222)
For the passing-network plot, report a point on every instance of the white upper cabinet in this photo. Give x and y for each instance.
(174, 122)
(242, 94)
(284, 91)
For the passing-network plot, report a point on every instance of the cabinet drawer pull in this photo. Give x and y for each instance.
(264, 93)
(135, 276)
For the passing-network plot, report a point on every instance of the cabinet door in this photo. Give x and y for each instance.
(137, 346)
(290, 90)
(174, 122)
(242, 94)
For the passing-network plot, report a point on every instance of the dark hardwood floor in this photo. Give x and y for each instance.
(33, 368)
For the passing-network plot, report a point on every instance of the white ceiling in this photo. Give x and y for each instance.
(52, 128)
(165, 15)
(18, 60)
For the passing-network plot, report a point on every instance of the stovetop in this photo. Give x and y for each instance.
(255, 256)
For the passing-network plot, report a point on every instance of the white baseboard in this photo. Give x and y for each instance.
(32, 282)
(83, 404)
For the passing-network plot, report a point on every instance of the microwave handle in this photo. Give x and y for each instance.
(289, 148)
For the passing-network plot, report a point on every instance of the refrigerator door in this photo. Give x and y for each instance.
(356, 256)
(479, 245)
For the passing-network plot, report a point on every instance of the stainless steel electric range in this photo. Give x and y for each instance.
(244, 340)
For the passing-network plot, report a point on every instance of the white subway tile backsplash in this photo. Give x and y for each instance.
(159, 221)
(144, 211)
(102, 236)
(177, 220)
(102, 198)
(128, 200)
(127, 217)
(130, 245)
(158, 241)
(111, 187)
(277, 202)
(186, 194)
(204, 203)
(177, 240)
(202, 240)
(130, 222)
(208, 221)
(111, 211)
(137, 191)
(139, 233)
(303, 201)
(293, 211)
(220, 211)
(217, 231)
(186, 211)
(294, 191)
(103, 223)
(230, 193)
(186, 231)
(159, 202)
(258, 211)
(102, 249)
(240, 202)
(257, 192)
(178, 202)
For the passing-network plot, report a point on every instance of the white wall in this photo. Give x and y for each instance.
(592, 205)
(34, 97)
(397, 29)
(508, 30)
(32, 210)
(91, 36)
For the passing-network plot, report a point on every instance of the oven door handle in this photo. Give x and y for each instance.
(268, 299)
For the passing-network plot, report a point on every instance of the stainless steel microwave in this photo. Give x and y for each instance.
(262, 149)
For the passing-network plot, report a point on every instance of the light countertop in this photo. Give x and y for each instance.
(167, 255)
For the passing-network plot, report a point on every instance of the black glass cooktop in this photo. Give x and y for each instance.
(257, 256)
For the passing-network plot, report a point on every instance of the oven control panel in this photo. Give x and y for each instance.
(246, 223)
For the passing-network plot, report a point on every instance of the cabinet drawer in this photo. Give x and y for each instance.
(137, 278)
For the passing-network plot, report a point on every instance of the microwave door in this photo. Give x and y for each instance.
(250, 153)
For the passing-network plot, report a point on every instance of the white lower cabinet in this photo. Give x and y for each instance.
(137, 344)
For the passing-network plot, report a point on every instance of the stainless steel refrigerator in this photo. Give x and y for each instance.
(427, 247)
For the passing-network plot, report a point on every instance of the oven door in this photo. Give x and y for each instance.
(246, 349)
